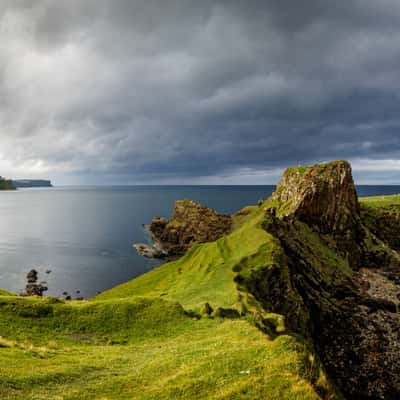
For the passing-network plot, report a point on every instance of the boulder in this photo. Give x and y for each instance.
(323, 195)
(190, 223)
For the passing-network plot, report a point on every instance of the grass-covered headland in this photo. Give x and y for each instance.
(6, 184)
(236, 318)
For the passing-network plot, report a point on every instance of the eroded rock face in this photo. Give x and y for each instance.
(352, 316)
(190, 223)
(344, 280)
(322, 195)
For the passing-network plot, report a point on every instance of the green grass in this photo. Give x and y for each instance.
(380, 201)
(206, 272)
(5, 293)
(138, 340)
(40, 320)
(210, 359)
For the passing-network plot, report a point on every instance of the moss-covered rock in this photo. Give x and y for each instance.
(190, 223)
(322, 195)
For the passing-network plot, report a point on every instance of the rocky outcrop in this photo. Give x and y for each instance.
(190, 223)
(351, 316)
(33, 286)
(338, 281)
(321, 195)
(149, 251)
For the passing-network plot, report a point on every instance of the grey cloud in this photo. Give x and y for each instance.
(157, 90)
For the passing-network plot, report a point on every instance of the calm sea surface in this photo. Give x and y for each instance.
(84, 235)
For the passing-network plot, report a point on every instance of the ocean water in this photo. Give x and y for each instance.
(84, 235)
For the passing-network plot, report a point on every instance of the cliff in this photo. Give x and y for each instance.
(321, 195)
(295, 298)
(342, 275)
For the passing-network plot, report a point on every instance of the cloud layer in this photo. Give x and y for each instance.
(149, 91)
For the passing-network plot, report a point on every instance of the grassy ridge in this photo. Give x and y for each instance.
(137, 341)
(5, 293)
(381, 201)
(206, 272)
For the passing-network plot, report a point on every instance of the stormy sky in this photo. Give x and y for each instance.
(231, 92)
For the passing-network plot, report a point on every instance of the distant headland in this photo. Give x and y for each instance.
(30, 183)
(8, 184)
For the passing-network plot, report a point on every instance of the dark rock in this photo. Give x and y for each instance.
(149, 251)
(336, 281)
(206, 309)
(33, 288)
(227, 313)
(190, 223)
(323, 195)
(32, 276)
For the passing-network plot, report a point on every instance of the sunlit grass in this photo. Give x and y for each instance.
(145, 340)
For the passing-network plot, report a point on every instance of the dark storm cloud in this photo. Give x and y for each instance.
(186, 91)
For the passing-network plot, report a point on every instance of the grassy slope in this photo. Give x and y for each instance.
(381, 215)
(121, 346)
(381, 201)
(205, 273)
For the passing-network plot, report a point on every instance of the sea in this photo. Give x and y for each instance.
(80, 239)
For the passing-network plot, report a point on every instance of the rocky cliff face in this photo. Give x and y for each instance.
(342, 279)
(321, 195)
(190, 223)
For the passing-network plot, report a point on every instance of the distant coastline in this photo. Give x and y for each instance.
(31, 183)
(6, 184)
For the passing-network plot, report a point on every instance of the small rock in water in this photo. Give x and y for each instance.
(148, 251)
(32, 276)
(33, 288)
